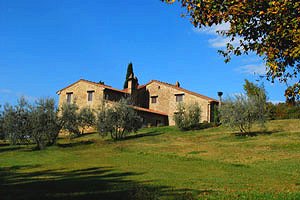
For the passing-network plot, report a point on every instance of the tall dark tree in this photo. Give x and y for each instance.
(129, 71)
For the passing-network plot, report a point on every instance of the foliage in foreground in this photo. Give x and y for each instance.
(75, 120)
(45, 124)
(40, 123)
(242, 111)
(16, 122)
(37, 123)
(266, 27)
(118, 120)
(187, 116)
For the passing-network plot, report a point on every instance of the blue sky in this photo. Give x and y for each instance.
(46, 45)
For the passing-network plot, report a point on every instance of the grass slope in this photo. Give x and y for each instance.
(159, 163)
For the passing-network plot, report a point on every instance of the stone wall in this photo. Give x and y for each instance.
(166, 100)
(165, 93)
(152, 119)
(79, 92)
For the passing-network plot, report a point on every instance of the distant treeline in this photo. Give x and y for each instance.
(284, 110)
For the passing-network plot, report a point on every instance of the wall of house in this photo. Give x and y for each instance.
(166, 101)
(141, 98)
(80, 95)
(112, 95)
(152, 119)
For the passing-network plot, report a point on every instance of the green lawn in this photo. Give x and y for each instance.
(159, 163)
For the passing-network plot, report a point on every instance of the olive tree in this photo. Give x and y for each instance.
(70, 118)
(16, 123)
(242, 111)
(118, 120)
(75, 120)
(86, 118)
(188, 116)
(45, 124)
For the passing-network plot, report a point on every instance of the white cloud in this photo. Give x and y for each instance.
(5, 91)
(217, 41)
(213, 29)
(259, 69)
(220, 41)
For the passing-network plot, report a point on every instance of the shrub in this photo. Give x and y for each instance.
(75, 119)
(284, 110)
(70, 118)
(241, 111)
(187, 117)
(16, 122)
(45, 125)
(37, 123)
(86, 118)
(118, 120)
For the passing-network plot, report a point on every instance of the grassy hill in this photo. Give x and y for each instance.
(159, 163)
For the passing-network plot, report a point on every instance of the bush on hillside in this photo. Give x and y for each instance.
(37, 123)
(75, 119)
(242, 111)
(70, 118)
(16, 123)
(187, 117)
(45, 124)
(118, 120)
(86, 119)
(283, 111)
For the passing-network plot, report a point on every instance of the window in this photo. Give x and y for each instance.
(154, 99)
(69, 97)
(90, 95)
(179, 97)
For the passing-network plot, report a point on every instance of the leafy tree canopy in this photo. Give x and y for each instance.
(242, 111)
(271, 29)
(119, 119)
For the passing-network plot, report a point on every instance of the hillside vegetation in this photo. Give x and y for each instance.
(159, 163)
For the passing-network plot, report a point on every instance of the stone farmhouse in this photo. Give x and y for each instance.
(155, 102)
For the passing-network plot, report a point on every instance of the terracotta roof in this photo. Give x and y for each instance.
(141, 86)
(182, 89)
(94, 83)
(149, 110)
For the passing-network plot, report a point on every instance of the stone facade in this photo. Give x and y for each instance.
(168, 96)
(156, 101)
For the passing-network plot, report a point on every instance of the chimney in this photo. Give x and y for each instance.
(177, 84)
(131, 84)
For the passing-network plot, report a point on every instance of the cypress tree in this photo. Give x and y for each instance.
(129, 71)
